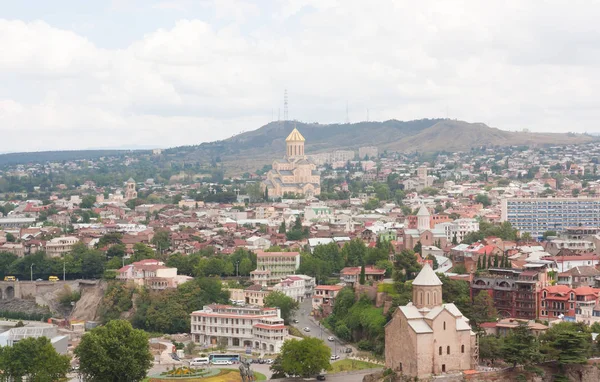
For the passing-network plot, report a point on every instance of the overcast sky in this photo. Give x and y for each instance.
(147, 73)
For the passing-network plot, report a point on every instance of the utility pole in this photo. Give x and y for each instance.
(237, 274)
(64, 262)
(31, 271)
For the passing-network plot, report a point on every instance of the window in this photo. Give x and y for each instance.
(448, 350)
(440, 350)
(444, 325)
(544, 294)
(462, 348)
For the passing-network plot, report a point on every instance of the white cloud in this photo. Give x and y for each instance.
(512, 64)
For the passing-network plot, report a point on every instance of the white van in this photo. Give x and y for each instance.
(199, 362)
(222, 362)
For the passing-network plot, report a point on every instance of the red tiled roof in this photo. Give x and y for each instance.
(329, 287)
(264, 326)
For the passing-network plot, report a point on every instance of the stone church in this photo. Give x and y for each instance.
(427, 337)
(295, 173)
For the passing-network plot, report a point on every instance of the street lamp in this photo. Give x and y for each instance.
(64, 263)
(31, 271)
(237, 273)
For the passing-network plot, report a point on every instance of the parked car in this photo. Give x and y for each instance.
(269, 361)
(261, 361)
(330, 338)
(175, 357)
(222, 362)
(321, 377)
(348, 350)
(334, 357)
(306, 329)
(295, 321)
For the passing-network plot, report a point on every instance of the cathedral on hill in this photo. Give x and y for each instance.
(295, 173)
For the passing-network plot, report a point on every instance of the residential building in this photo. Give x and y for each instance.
(554, 246)
(324, 299)
(427, 337)
(458, 228)
(538, 215)
(317, 212)
(580, 276)
(351, 275)
(151, 273)
(506, 325)
(368, 151)
(515, 292)
(14, 248)
(296, 173)
(60, 245)
(571, 260)
(248, 327)
(292, 286)
(278, 265)
(14, 222)
(561, 301)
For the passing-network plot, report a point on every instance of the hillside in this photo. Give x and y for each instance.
(251, 150)
(56, 156)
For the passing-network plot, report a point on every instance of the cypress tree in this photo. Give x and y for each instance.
(489, 264)
(479, 263)
(484, 262)
(496, 260)
(362, 275)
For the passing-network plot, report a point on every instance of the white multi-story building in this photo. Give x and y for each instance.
(272, 267)
(60, 245)
(293, 286)
(538, 215)
(459, 227)
(261, 329)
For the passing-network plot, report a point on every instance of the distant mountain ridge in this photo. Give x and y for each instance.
(250, 149)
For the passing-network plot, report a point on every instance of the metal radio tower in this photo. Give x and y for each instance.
(285, 106)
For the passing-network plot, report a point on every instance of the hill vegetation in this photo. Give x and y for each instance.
(253, 149)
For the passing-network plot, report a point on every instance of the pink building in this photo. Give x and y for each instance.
(151, 273)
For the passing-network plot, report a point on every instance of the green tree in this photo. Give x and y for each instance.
(567, 343)
(34, 359)
(141, 252)
(282, 227)
(116, 250)
(479, 263)
(287, 305)
(483, 199)
(418, 247)
(483, 309)
(548, 234)
(161, 240)
(406, 266)
(114, 352)
(520, 347)
(496, 260)
(87, 201)
(10, 237)
(526, 236)
(305, 358)
(490, 348)
(362, 275)
(455, 239)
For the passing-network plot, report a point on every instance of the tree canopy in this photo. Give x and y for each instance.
(34, 359)
(287, 305)
(114, 352)
(305, 358)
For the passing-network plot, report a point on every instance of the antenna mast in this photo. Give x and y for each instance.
(285, 106)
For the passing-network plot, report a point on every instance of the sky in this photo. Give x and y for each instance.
(161, 73)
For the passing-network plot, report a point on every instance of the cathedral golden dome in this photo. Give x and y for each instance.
(295, 136)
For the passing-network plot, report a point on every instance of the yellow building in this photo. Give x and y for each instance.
(295, 173)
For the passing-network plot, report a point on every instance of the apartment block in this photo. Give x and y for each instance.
(459, 228)
(538, 215)
(260, 329)
(324, 298)
(272, 267)
(515, 292)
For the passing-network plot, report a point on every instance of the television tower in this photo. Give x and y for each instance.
(285, 106)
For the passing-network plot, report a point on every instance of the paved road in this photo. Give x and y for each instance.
(316, 330)
(356, 376)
